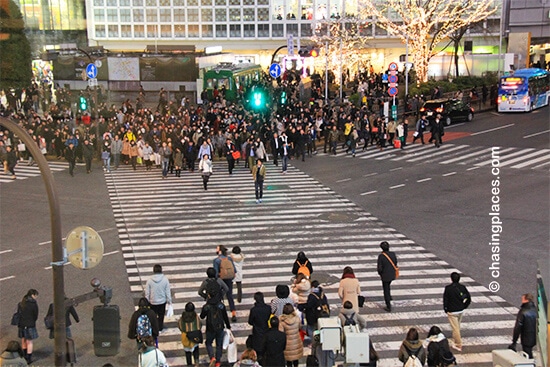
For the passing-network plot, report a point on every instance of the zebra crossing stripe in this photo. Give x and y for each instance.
(330, 229)
(531, 162)
(525, 157)
(463, 157)
(502, 158)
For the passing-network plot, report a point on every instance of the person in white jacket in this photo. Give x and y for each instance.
(205, 167)
(157, 292)
(238, 260)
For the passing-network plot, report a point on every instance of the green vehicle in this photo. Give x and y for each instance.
(235, 79)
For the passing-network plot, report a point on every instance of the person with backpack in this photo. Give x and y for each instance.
(190, 322)
(157, 292)
(348, 316)
(349, 289)
(216, 318)
(258, 319)
(212, 287)
(150, 355)
(456, 299)
(317, 306)
(412, 353)
(225, 270)
(388, 271)
(439, 354)
(302, 265)
(143, 323)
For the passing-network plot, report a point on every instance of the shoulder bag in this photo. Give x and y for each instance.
(392, 264)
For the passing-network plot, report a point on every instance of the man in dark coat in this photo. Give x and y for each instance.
(526, 325)
(228, 149)
(456, 299)
(258, 319)
(387, 264)
(70, 156)
(276, 147)
(274, 345)
(88, 153)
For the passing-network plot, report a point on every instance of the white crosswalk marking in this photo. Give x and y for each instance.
(24, 171)
(176, 223)
(450, 153)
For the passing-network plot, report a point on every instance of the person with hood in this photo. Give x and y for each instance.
(412, 348)
(238, 260)
(526, 325)
(258, 319)
(157, 292)
(289, 323)
(28, 309)
(144, 308)
(248, 359)
(313, 306)
(301, 262)
(348, 316)
(189, 321)
(13, 355)
(349, 289)
(274, 345)
(438, 347)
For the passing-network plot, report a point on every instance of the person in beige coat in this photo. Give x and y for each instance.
(289, 323)
(302, 288)
(349, 288)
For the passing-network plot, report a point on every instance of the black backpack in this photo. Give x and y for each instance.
(214, 319)
(213, 290)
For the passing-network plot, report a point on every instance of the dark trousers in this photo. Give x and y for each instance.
(71, 167)
(419, 136)
(159, 310)
(239, 291)
(528, 350)
(275, 158)
(230, 164)
(387, 293)
(205, 179)
(195, 354)
(285, 162)
(259, 188)
(229, 294)
(88, 161)
(210, 337)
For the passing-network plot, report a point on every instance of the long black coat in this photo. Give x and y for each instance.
(258, 318)
(526, 325)
(274, 348)
(29, 313)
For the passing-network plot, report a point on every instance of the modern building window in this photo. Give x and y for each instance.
(152, 30)
(221, 15)
(137, 2)
(179, 15)
(192, 2)
(221, 30)
(248, 15)
(125, 16)
(178, 2)
(235, 2)
(112, 16)
(379, 31)
(306, 12)
(166, 31)
(278, 9)
(292, 29)
(249, 30)
(139, 31)
(277, 30)
(124, 2)
(206, 15)
(235, 31)
(165, 15)
(165, 3)
(193, 15)
(263, 2)
(263, 14)
(100, 31)
(152, 16)
(235, 14)
(98, 3)
(193, 30)
(99, 15)
(113, 31)
(112, 3)
(292, 9)
(248, 2)
(263, 30)
(138, 16)
(207, 30)
(179, 30)
(306, 30)
(206, 2)
(221, 2)
(151, 3)
(125, 31)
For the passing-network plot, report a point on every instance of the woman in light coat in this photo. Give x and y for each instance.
(302, 289)
(349, 289)
(289, 323)
(205, 167)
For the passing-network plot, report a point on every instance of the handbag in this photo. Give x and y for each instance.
(392, 264)
(236, 154)
(360, 300)
(16, 317)
(48, 321)
(195, 336)
(21, 147)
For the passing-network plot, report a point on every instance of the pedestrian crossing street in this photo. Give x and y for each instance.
(174, 222)
(24, 171)
(449, 153)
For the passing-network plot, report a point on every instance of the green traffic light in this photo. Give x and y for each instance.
(83, 103)
(258, 99)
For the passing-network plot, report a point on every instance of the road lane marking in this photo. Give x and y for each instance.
(370, 174)
(535, 134)
(449, 174)
(424, 179)
(473, 168)
(396, 186)
(6, 278)
(343, 180)
(454, 125)
(396, 169)
(496, 128)
(5, 251)
(368, 193)
(64, 238)
(110, 253)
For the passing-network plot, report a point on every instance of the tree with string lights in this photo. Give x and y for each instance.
(423, 24)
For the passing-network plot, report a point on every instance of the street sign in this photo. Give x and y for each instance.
(394, 112)
(84, 247)
(92, 82)
(392, 91)
(290, 45)
(393, 66)
(91, 71)
(392, 78)
(275, 70)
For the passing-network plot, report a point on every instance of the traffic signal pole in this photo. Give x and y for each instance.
(57, 244)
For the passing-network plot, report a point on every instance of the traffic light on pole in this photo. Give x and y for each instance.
(314, 52)
(83, 103)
